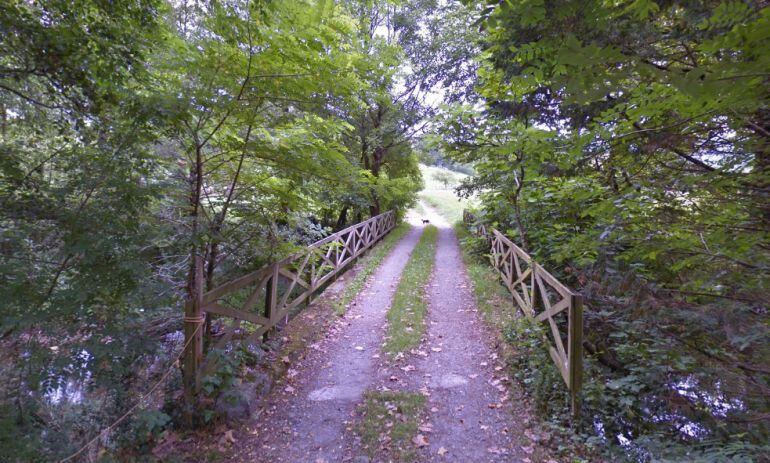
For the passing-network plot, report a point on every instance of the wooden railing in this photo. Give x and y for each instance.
(541, 297)
(263, 297)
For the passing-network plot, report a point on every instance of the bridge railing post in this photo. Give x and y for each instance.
(575, 341)
(271, 299)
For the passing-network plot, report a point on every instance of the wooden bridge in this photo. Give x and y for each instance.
(541, 297)
(252, 305)
(256, 302)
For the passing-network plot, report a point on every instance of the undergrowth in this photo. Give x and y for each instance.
(407, 311)
(368, 264)
(630, 403)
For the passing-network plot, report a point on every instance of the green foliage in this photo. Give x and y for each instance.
(134, 136)
(625, 146)
(148, 425)
(406, 316)
(15, 443)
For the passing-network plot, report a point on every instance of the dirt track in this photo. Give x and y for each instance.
(309, 417)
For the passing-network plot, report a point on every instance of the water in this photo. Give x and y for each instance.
(719, 404)
(711, 398)
(68, 386)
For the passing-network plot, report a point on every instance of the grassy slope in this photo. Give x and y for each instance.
(440, 197)
(407, 311)
(368, 264)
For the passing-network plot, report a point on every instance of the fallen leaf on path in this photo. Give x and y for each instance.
(496, 450)
(419, 440)
(436, 349)
(285, 359)
(289, 389)
(441, 451)
(483, 364)
(427, 427)
(359, 348)
(473, 376)
(528, 449)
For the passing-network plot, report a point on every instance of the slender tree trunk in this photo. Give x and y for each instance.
(520, 223)
(193, 338)
(516, 208)
(342, 220)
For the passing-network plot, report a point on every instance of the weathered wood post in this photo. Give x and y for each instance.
(193, 335)
(575, 338)
(271, 298)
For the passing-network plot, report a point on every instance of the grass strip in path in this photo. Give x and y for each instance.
(390, 421)
(407, 311)
(368, 264)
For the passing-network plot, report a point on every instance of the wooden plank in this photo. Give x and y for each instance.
(237, 314)
(550, 312)
(551, 280)
(528, 311)
(271, 299)
(251, 301)
(523, 286)
(234, 285)
(575, 340)
(559, 364)
(554, 329)
(258, 335)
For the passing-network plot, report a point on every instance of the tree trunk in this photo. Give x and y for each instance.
(342, 220)
(520, 224)
(193, 337)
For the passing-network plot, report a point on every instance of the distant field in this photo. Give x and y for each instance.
(440, 195)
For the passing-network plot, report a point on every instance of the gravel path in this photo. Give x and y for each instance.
(469, 397)
(474, 413)
(307, 419)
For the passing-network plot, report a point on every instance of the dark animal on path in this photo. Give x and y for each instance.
(425, 221)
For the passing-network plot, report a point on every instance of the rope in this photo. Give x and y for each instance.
(141, 398)
(199, 319)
